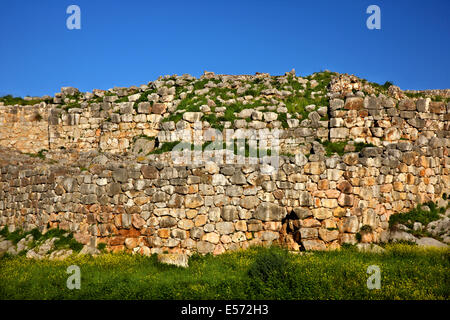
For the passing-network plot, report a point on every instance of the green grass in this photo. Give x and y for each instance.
(10, 100)
(212, 119)
(407, 272)
(417, 215)
(123, 99)
(40, 154)
(168, 146)
(143, 136)
(101, 246)
(334, 147)
(65, 241)
(414, 95)
(339, 147)
(295, 103)
(282, 117)
(361, 145)
(200, 84)
(438, 98)
(165, 147)
(71, 105)
(143, 98)
(383, 88)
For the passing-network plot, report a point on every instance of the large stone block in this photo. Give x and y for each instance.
(315, 167)
(149, 172)
(336, 104)
(268, 211)
(176, 259)
(305, 199)
(314, 245)
(302, 213)
(229, 213)
(309, 233)
(205, 247)
(354, 103)
(407, 104)
(372, 103)
(351, 224)
(328, 235)
(192, 116)
(423, 105)
(322, 213)
(120, 175)
(339, 133)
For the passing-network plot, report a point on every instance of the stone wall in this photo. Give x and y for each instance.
(113, 127)
(153, 206)
(149, 204)
(24, 127)
(382, 120)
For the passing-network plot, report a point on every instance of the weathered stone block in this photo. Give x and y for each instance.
(229, 213)
(268, 211)
(249, 202)
(309, 233)
(407, 104)
(225, 227)
(328, 235)
(322, 213)
(314, 245)
(354, 103)
(339, 133)
(351, 224)
(193, 201)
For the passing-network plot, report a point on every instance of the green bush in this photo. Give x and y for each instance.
(334, 147)
(416, 215)
(40, 154)
(10, 100)
(65, 241)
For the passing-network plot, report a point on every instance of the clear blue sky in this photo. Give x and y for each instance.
(124, 43)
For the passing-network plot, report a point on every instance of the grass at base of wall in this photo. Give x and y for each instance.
(407, 272)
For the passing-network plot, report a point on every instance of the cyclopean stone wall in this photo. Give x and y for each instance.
(152, 206)
(113, 127)
(382, 120)
(149, 204)
(24, 127)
